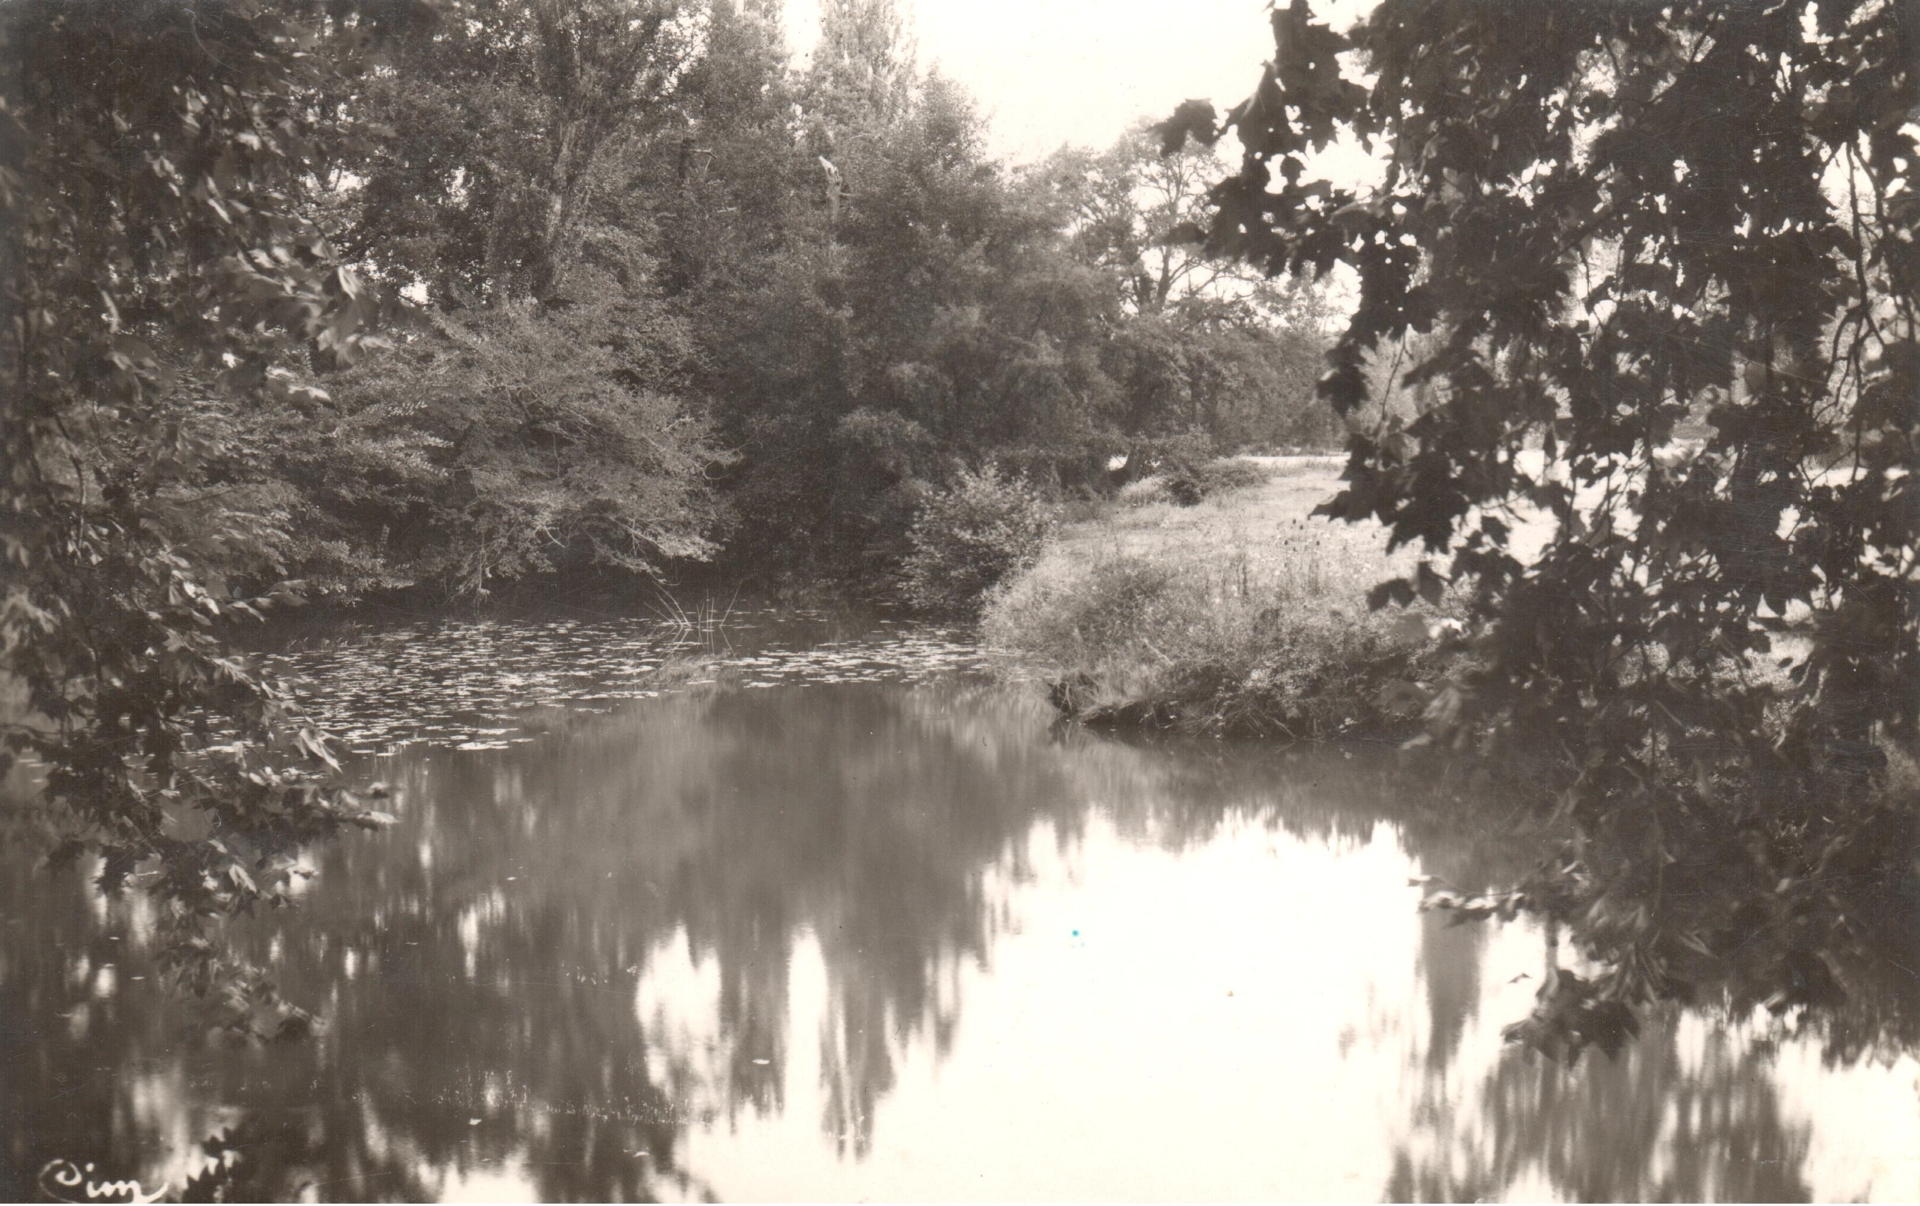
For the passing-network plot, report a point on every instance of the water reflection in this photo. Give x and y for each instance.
(1687, 1115)
(876, 940)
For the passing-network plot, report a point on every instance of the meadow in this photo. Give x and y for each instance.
(1243, 614)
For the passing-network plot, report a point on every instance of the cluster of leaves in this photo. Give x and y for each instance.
(1655, 270)
(499, 444)
(501, 134)
(1245, 384)
(158, 269)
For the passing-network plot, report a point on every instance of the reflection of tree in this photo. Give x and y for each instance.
(1450, 958)
(1649, 1125)
(67, 1055)
(877, 847)
(477, 1020)
(486, 963)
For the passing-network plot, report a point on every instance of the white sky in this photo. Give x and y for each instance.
(1048, 72)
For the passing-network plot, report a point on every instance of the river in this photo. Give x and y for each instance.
(796, 908)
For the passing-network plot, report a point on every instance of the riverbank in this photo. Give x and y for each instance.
(1241, 615)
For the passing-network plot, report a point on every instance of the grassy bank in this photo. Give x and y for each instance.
(1240, 615)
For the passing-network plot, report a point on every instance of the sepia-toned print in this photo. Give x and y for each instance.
(832, 600)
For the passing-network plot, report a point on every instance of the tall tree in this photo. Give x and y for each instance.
(1203, 342)
(1139, 211)
(1614, 217)
(502, 123)
(739, 183)
(863, 72)
(926, 313)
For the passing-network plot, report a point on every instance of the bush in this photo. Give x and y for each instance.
(969, 536)
(1144, 492)
(1084, 617)
(1230, 473)
(1184, 489)
(1187, 486)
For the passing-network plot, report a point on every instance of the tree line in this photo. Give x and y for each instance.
(648, 293)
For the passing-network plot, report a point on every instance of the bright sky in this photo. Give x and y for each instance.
(1048, 72)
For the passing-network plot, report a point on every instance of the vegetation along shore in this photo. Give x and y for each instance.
(1242, 614)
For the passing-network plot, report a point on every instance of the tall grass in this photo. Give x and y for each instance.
(1240, 615)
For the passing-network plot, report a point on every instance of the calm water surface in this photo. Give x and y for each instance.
(832, 917)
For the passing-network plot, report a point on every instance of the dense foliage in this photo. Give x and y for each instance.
(914, 302)
(160, 276)
(534, 419)
(1211, 344)
(1653, 271)
(809, 293)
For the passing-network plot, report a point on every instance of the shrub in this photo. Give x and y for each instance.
(969, 536)
(1230, 473)
(1083, 616)
(1187, 486)
(1177, 461)
(1184, 489)
(1144, 492)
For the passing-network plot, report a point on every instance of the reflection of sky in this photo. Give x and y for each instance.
(871, 941)
(1866, 1124)
(1238, 1020)
(1160, 1026)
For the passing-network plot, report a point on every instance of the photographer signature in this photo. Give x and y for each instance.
(61, 1178)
